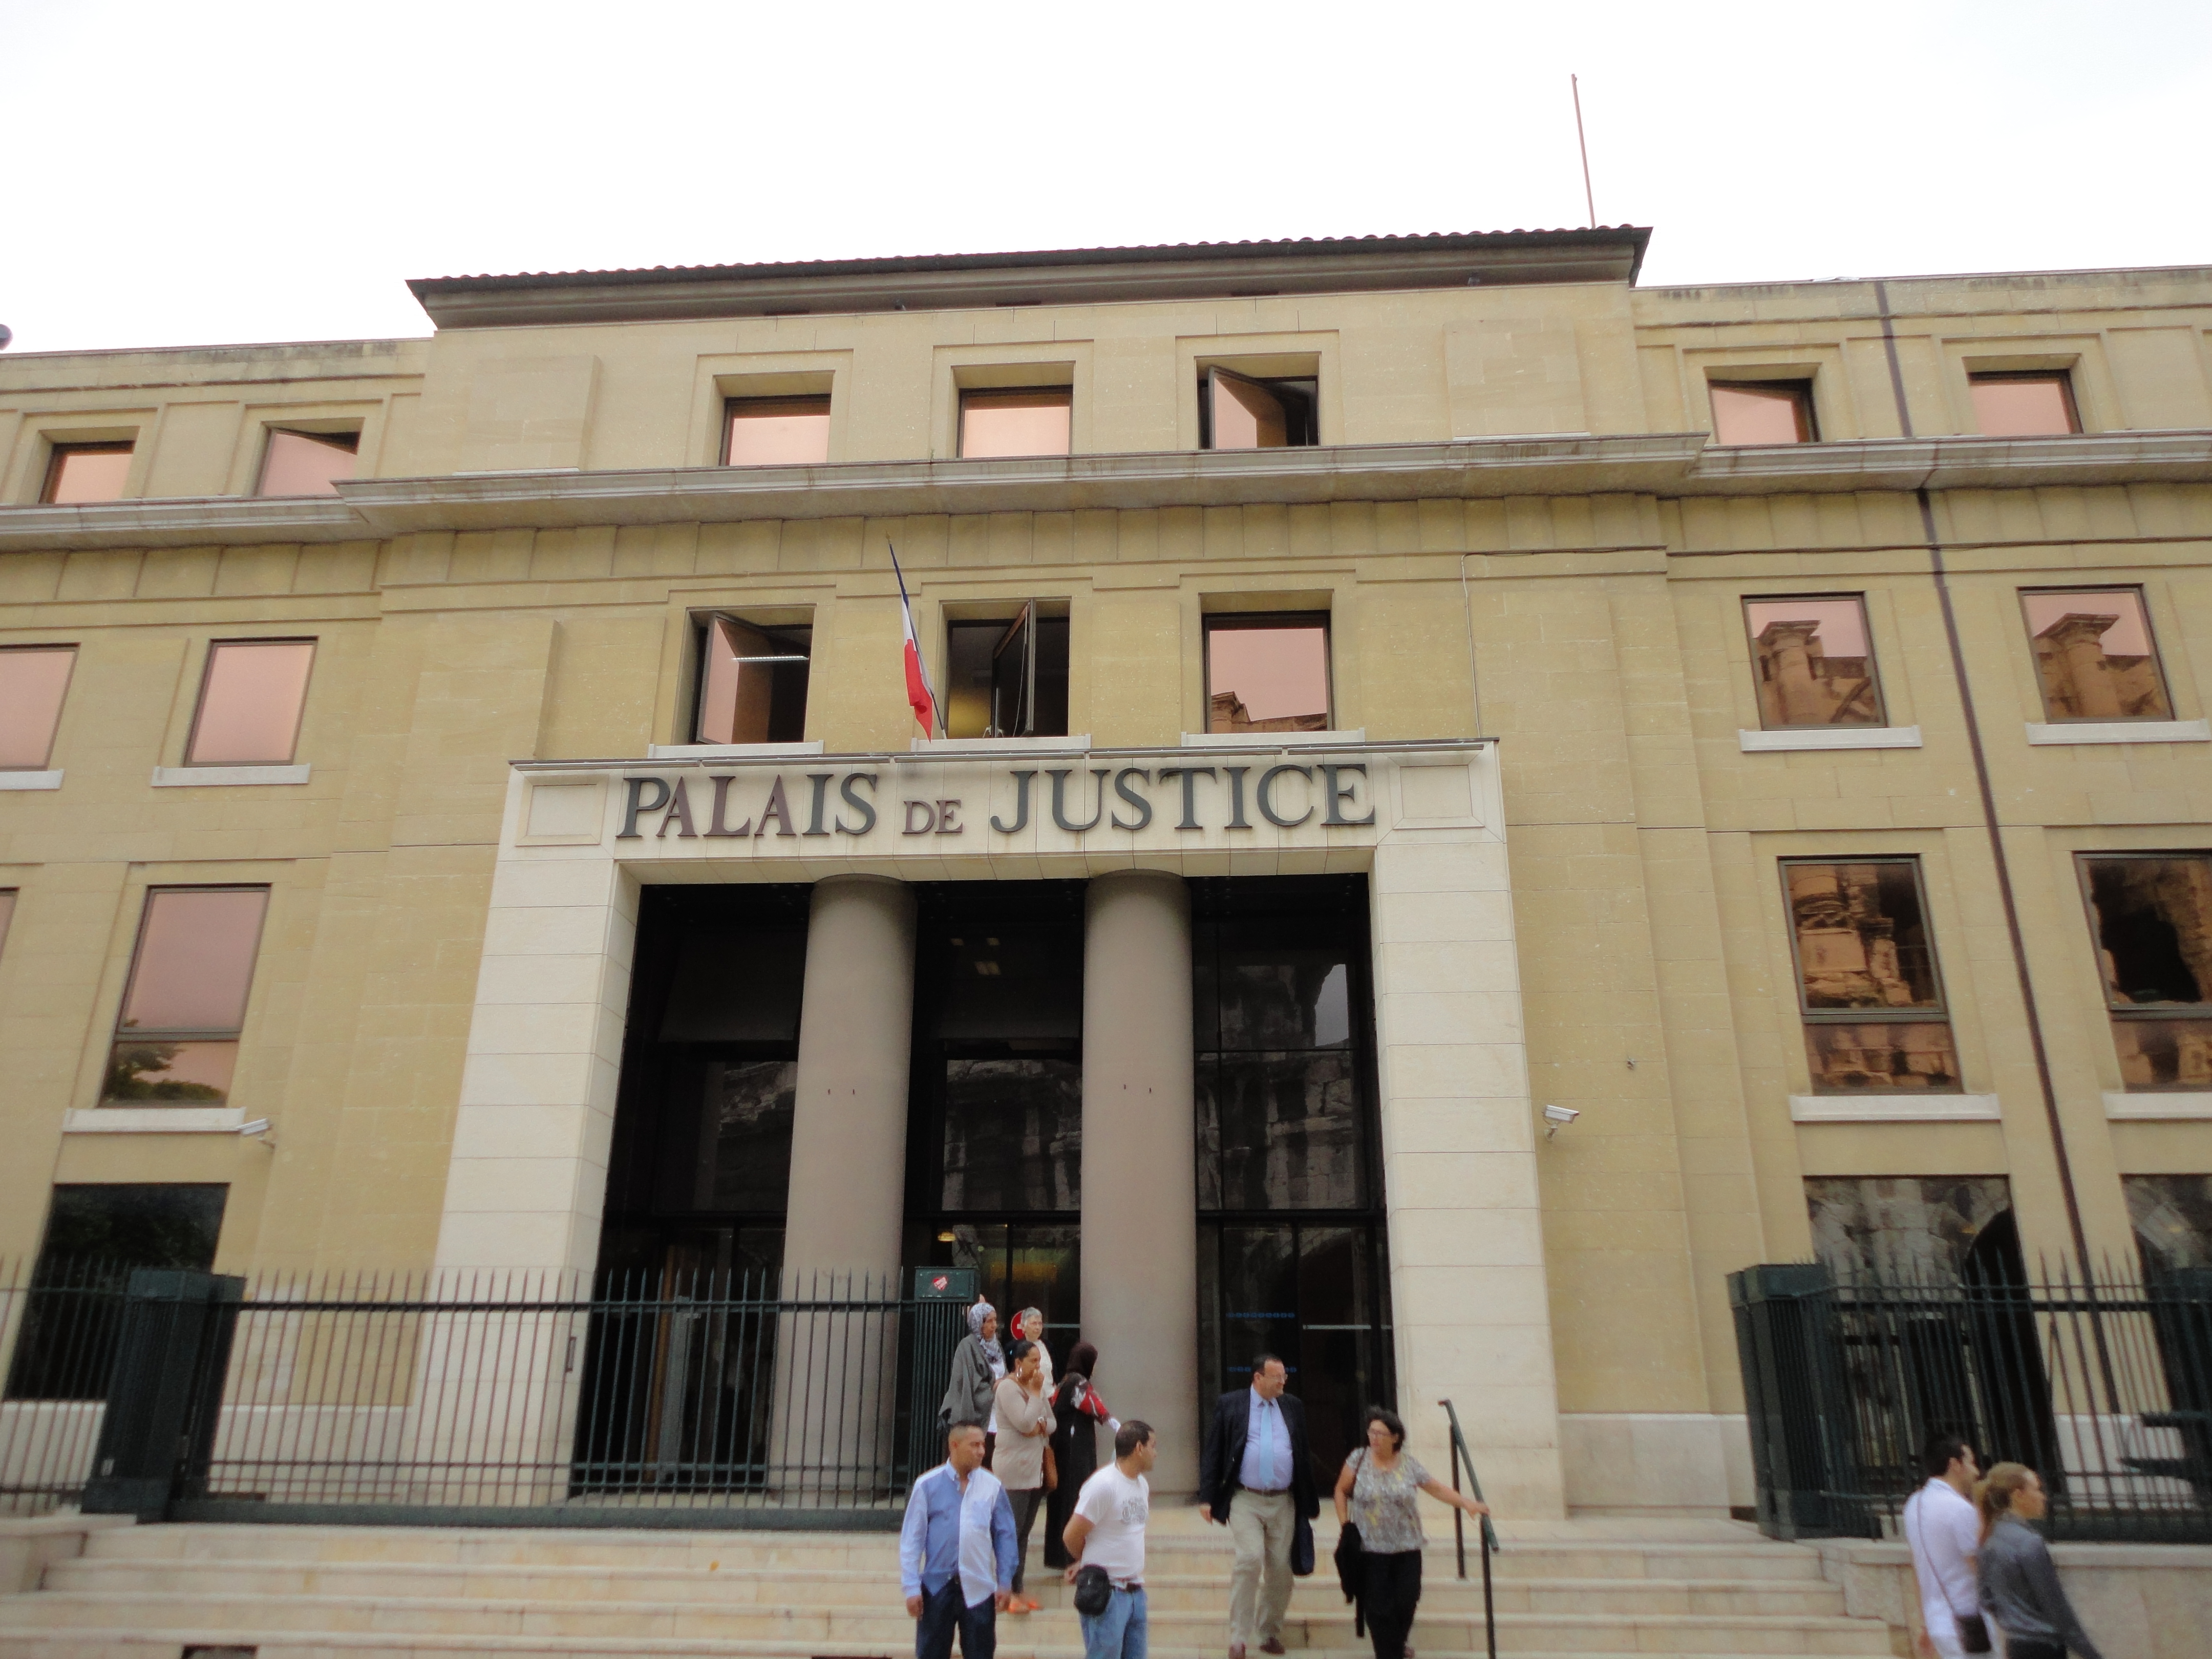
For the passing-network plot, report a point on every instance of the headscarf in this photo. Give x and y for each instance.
(994, 1355)
(1031, 1323)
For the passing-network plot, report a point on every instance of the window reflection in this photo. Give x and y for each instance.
(1013, 1134)
(87, 472)
(1267, 673)
(176, 1040)
(307, 463)
(752, 682)
(1867, 977)
(2023, 406)
(2153, 921)
(250, 702)
(1763, 412)
(1815, 665)
(1031, 422)
(2094, 654)
(33, 679)
(776, 431)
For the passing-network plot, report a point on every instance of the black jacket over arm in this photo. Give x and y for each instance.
(1218, 1466)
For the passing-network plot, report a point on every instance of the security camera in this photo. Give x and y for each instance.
(1557, 1118)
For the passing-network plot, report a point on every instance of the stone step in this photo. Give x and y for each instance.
(165, 1644)
(866, 1588)
(816, 1631)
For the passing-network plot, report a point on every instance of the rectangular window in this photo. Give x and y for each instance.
(1031, 422)
(2034, 405)
(776, 431)
(2152, 917)
(87, 472)
(1814, 661)
(2094, 654)
(33, 679)
(251, 700)
(1237, 412)
(752, 682)
(2173, 1219)
(307, 463)
(176, 1044)
(1007, 677)
(7, 914)
(1867, 980)
(1763, 412)
(1267, 672)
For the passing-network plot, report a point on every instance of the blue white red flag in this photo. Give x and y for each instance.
(920, 696)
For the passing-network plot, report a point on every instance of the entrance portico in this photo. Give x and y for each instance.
(1421, 820)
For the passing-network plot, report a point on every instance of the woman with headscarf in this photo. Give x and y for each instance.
(977, 1364)
(1076, 1411)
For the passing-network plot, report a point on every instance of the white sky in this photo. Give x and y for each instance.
(217, 171)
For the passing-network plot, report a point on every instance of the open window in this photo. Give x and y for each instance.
(79, 473)
(776, 431)
(1867, 987)
(2152, 917)
(1267, 672)
(2094, 656)
(307, 463)
(1007, 676)
(1236, 411)
(1763, 412)
(2037, 404)
(752, 681)
(1814, 661)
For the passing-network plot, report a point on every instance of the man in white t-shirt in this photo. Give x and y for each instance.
(1107, 1531)
(1943, 1530)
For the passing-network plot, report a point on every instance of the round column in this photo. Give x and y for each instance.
(1139, 1175)
(847, 1191)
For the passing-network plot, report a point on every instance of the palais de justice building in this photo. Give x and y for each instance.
(461, 807)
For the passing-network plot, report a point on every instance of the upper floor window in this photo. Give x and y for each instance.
(2094, 654)
(251, 699)
(7, 914)
(776, 431)
(2029, 405)
(1007, 677)
(1235, 411)
(1033, 421)
(307, 463)
(87, 472)
(34, 678)
(1763, 412)
(1867, 983)
(752, 682)
(1267, 672)
(1814, 661)
(2152, 916)
(176, 1040)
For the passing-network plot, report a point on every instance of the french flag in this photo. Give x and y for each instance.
(919, 695)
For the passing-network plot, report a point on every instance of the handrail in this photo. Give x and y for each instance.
(1461, 1455)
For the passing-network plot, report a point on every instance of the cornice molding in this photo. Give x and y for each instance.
(1663, 464)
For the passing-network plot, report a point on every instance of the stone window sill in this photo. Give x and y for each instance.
(1078, 743)
(1905, 1106)
(1263, 740)
(709, 751)
(31, 779)
(2121, 732)
(2154, 1104)
(1829, 736)
(191, 777)
(154, 1120)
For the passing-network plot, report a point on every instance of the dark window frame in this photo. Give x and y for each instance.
(1303, 388)
(59, 451)
(207, 676)
(1036, 612)
(1873, 666)
(1807, 403)
(2051, 717)
(1215, 621)
(1935, 1012)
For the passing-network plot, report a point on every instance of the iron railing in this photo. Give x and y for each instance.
(1461, 1458)
(676, 1398)
(2102, 1385)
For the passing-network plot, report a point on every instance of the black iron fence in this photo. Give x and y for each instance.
(2103, 1386)
(524, 1398)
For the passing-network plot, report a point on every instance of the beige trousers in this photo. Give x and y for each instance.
(1260, 1525)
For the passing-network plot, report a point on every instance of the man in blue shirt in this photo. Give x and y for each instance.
(956, 1550)
(1255, 1477)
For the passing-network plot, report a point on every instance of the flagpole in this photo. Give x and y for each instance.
(906, 606)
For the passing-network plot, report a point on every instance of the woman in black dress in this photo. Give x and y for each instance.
(1076, 1409)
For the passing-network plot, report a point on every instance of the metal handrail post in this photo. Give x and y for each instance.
(1461, 1454)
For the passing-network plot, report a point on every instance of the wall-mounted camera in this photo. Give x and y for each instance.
(1557, 1118)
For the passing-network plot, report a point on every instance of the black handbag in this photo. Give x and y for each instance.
(1302, 1549)
(1351, 1574)
(1093, 1591)
(1973, 1634)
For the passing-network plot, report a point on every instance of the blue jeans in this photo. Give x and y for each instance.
(944, 1611)
(1121, 1632)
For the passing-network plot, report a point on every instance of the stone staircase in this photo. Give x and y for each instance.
(1695, 1590)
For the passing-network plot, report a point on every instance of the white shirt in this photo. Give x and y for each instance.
(1117, 1506)
(1943, 1531)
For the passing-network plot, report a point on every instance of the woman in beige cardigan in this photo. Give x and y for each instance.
(1025, 1423)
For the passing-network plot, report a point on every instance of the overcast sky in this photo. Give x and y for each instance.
(220, 171)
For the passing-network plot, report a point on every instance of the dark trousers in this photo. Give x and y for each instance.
(1393, 1591)
(1027, 1506)
(946, 1610)
(2033, 1649)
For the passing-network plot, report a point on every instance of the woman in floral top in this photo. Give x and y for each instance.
(1376, 1493)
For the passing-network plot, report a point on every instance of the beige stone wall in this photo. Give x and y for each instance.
(1598, 633)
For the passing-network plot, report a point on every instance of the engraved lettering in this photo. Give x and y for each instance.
(1021, 806)
(779, 809)
(1121, 789)
(718, 822)
(679, 811)
(821, 783)
(1190, 775)
(1059, 799)
(1236, 820)
(1334, 794)
(637, 805)
(948, 819)
(928, 811)
(866, 809)
(1263, 795)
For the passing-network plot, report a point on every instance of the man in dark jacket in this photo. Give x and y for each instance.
(1256, 1478)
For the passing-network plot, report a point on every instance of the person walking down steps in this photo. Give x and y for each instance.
(1077, 1410)
(1025, 1424)
(978, 1363)
(1105, 1539)
(1255, 1477)
(1378, 1493)
(957, 1552)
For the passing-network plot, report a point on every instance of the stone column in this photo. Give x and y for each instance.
(1139, 1175)
(836, 1380)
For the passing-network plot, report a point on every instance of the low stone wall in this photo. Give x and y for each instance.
(2136, 1601)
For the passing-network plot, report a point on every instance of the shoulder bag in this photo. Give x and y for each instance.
(1973, 1633)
